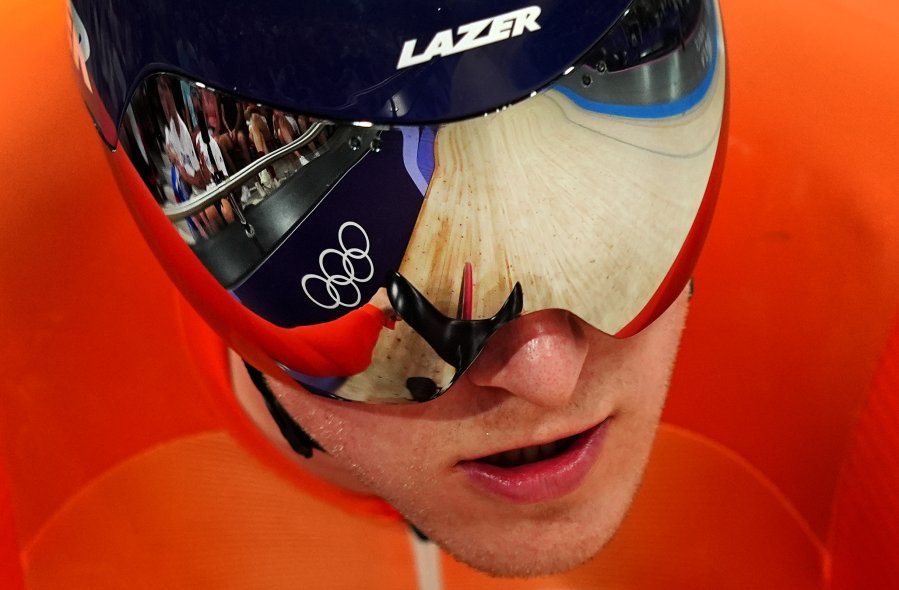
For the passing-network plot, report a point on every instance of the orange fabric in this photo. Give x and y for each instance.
(129, 464)
(77, 291)
(799, 279)
(200, 512)
(10, 563)
(865, 533)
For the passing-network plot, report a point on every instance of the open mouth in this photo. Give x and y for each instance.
(527, 455)
(537, 473)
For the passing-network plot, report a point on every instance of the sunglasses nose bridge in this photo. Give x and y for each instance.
(457, 341)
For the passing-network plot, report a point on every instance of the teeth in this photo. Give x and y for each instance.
(532, 454)
(513, 457)
(527, 455)
(548, 450)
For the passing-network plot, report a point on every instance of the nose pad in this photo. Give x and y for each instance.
(538, 357)
(456, 341)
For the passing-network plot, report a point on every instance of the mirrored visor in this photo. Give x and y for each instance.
(395, 252)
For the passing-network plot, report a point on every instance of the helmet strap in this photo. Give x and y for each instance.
(299, 439)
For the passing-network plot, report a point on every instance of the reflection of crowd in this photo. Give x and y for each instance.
(201, 138)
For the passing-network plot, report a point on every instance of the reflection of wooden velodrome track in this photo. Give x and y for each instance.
(587, 211)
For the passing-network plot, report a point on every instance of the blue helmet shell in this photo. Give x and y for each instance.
(337, 59)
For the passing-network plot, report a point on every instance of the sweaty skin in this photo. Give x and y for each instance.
(543, 377)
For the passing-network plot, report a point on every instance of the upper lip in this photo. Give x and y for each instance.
(482, 455)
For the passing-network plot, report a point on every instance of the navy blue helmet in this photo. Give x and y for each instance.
(357, 195)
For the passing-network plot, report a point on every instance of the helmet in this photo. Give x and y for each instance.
(357, 196)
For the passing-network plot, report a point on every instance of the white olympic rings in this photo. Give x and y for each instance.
(333, 283)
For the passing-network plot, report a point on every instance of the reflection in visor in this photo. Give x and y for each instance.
(647, 31)
(211, 160)
(354, 237)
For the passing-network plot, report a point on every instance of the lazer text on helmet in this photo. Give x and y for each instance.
(473, 35)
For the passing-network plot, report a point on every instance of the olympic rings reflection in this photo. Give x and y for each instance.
(343, 289)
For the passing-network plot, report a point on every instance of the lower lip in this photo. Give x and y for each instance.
(544, 480)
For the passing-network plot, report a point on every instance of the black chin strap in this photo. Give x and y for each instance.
(299, 440)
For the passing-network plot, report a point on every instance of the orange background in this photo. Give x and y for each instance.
(108, 429)
(799, 283)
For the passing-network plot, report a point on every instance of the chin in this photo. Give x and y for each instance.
(540, 540)
(543, 541)
(541, 558)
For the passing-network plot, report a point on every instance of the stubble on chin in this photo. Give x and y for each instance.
(553, 539)
(530, 560)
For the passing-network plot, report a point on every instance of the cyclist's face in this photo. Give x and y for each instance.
(545, 377)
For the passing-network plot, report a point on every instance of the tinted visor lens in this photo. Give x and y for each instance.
(393, 253)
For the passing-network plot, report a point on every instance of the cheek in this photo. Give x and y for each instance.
(384, 450)
(406, 454)
(650, 360)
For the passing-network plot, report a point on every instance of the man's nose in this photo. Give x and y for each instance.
(538, 357)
